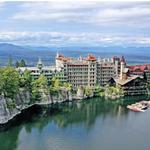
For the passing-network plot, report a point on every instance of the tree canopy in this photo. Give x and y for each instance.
(9, 82)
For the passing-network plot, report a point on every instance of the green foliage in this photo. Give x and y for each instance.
(53, 90)
(11, 105)
(1, 81)
(41, 82)
(25, 80)
(88, 91)
(111, 90)
(68, 86)
(22, 63)
(56, 84)
(35, 95)
(17, 64)
(39, 86)
(9, 82)
(99, 91)
(148, 85)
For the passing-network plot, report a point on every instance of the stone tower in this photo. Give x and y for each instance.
(122, 67)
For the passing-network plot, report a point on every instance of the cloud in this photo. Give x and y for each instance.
(1, 5)
(76, 22)
(72, 39)
(130, 16)
(58, 11)
(90, 12)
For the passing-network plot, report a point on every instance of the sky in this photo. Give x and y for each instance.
(75, 23)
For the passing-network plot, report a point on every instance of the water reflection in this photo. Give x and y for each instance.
(86, 113)
(69, 119)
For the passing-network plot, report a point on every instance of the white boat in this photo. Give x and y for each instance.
(135, 108)
(140, 106)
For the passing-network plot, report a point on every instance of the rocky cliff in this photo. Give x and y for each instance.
(10, 108)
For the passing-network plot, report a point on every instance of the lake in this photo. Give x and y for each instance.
(93, 124)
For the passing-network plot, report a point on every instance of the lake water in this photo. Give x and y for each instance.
(94, 124)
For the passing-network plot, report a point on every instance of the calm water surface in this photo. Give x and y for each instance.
(95, 124)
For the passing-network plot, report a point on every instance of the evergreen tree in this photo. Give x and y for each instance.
(17, 64)
(22, 63)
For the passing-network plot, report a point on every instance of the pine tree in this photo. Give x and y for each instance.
(22, 63)
(17, 64)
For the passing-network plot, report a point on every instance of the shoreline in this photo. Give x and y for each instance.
(5, 124)
(7, 121)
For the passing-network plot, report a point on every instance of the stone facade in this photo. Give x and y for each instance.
(129, 83)
(87, 71)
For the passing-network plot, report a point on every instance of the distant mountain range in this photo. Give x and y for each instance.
(47, 54)
(30, 54)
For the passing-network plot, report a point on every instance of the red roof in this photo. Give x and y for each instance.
(65, 59)
(91, 57)
(140, 67)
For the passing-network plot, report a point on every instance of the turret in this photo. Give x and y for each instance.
(59, 60)
(80, 58)
(40, 64)
(57, 55)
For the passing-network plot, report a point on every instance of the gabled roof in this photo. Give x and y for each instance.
(140, 67)
(62, 58)
(125, 81)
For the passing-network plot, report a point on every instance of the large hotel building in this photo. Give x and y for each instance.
(80, 71)
(89, 71)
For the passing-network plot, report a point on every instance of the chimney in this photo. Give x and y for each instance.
(121, 69)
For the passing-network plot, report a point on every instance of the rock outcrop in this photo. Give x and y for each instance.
(9, 108)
